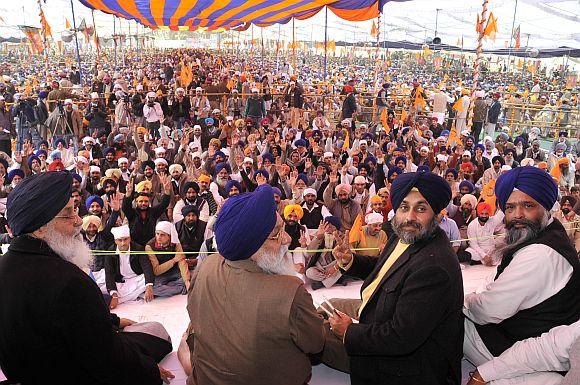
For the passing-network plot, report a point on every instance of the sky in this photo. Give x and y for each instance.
(544, 23)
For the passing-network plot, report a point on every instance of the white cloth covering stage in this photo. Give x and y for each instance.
(172, 314)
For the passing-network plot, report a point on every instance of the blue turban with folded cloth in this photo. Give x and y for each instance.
(532, 181)
(434, 189)
(245, 222)
(37, 200)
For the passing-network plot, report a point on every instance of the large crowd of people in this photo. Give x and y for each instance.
(206, 174)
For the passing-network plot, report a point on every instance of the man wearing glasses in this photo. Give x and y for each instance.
(247, 301)
(50, 308)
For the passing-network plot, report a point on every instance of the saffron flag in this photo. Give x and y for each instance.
(458, 106)
(374, 31)
(491, 27)
(356, 232)
(45, 25)
(478, 26)
(404, 116)
(186, 75)
(346, 144)
(67, 24)
(384, 120)
(488, 195)
(453, 137)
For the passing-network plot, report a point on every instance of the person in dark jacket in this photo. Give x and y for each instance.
(143, 217)
(349, 107)
(180, 108)
(493, 114)
(50, 308)
(191, 230)
(410, 328)
(255, 107)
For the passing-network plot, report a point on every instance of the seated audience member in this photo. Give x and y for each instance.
(52, 309)
(371, 236)
(143, 217)
(313, 212)
(321, 267)
(449, 226)
(537, 282)
(191, 231)
(190, 197)
(481, 236)
(539, 360)
(128, 275)
(170, 268)
(343, 207)
(251, 273)
(569, 219)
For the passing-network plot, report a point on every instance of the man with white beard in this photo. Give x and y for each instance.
(536, 285)
(55, 327)
(247, 301)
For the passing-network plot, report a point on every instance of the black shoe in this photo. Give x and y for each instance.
(343, 281)
(473, 263)
(316, 285)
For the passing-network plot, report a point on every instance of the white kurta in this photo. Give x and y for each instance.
(134, 284)
(480, 243)
(516, 289)
(528, 361)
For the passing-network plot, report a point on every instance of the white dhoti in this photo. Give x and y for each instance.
(131, 289)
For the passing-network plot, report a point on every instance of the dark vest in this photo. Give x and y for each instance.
(563, 308)
(162, 258)
(312, 219)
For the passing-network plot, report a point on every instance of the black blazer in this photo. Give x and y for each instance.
(140, 264)
(50, 308)
(411, 330)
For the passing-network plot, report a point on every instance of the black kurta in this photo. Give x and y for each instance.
(55, 327)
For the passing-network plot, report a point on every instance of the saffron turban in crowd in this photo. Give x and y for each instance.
(245, 222)
(143, 185)
(293, 209)
(434, 189)
(483, 206)
(37, 200)
(532, 181)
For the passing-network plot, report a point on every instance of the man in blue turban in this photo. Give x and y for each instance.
(251, 273)
(537, 282)
(48, 303)
(411, 298)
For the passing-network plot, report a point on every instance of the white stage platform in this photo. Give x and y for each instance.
(172, 314)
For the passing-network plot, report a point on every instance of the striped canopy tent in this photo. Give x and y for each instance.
(234, 14)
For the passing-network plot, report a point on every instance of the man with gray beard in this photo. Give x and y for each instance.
(55, 327)
(252, 320)
(409, 328)
(537, 282)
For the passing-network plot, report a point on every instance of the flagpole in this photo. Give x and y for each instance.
(262, 42)
(378, 32)
(72, 8)
(96, 36)
(293, 48)
(476, 71)
(511, 39)
(114, 41)
(325, 42)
